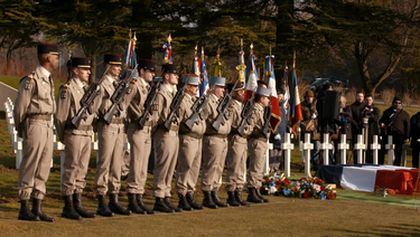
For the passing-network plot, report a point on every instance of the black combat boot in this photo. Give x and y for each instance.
(24, 213)
(161, 206)
(115, 207)
(183, 203)
(191, 201)
(168, 203)
(216, 199)
(77, 203)
(208, 200)
(103, 209)
(133, 206)
(238, 198)
(140, 203)
(252, 196)
(68, 209)
(232, 200)
(260, 196)
(37, 211)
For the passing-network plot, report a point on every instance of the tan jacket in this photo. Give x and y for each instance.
(257, 121)
(136, 99)
(236, 108)
(161, 107)
(68, 104)
(212, 112)
(107, 90)
(35, 96)
(199, 127)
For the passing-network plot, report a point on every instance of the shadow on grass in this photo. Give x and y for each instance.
(396, 230)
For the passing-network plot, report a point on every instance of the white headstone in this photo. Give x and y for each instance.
(359, 147)
(326, 146)
(307, 146)
(375, 147)
(287, 147)
(390, 147)
(343, 146)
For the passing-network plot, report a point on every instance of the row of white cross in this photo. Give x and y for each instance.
(287, 146)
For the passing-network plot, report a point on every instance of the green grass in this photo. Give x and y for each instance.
(13, 81)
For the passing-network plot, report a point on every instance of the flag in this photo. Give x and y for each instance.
(241, 67)
(295, 107)
(275, 106)
(251, 75)
(167, 51)
(204, 86)
(196, 63)
(217, 66)
(130, 54)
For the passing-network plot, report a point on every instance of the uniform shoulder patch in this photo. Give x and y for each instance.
(64, 90)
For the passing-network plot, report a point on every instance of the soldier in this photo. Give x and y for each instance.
(214, 146)
(191, 143)
(237, 149)
(257, 145)
(111, 139)
(165, 142)
(34, 106)
(139, 138)
(77, 140)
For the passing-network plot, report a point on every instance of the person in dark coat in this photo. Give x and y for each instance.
(395, 122)
(370, 121)
(415, 138)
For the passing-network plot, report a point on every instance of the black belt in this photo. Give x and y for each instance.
(80, 128)
(216, 135)
(46, 117)
(193, 135)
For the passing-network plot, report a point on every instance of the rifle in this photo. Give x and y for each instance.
(176, 102)
(245, 114)
(222, 109)
(267, 127)
(150, 99)
(197, 108)
(87, 100)
(118, 96)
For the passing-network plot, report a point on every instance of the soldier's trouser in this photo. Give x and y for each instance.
(236, 162)
(76, 162)
(166, 147)
(214, 156)
(111, 148)
(257, 156)
(141, 143)
(189, 162)
(37, 155)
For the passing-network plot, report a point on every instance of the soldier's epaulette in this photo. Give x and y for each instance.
(63, 89)
(30, 76)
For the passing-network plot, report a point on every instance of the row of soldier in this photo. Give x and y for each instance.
(360, 118)
(187, 133)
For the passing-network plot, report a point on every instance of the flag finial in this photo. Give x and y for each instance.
(169, 38)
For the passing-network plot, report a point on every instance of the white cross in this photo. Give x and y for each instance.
(390, 148)
(287, 146)
(326, 146)
(375, 146)
(343, 146)
(267, 158)
(307, 146)
(359, 147)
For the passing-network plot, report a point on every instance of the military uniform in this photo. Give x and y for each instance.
(236, 156)
(257, 146)
(111, 139)
(215, 146)
(32, 113)
(189, 158)
(141, 143)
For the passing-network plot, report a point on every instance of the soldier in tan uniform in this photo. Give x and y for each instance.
(238, 149)
(111, 138)
(77, 140)
(34, 106)
(214, 146)
(165, 142)
(190, 150)
(257, 145)
(139, 138)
